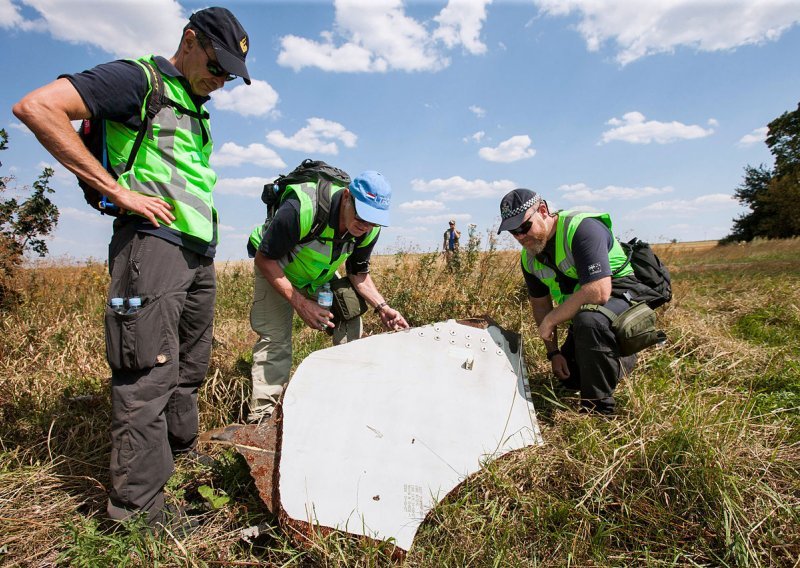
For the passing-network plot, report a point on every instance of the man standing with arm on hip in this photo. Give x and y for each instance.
(289, 272)
(163, 244)
(571, 259)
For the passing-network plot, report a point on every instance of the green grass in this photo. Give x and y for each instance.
(700, 468)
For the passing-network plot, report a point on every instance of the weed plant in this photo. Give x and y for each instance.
(700, 468)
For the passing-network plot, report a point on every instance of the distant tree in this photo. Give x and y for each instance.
(772, 195)
(23, 224)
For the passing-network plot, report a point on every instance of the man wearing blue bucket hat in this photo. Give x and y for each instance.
(293, 263)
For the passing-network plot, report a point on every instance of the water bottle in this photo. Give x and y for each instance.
(134, 304)
(325, 296)
(117, 305)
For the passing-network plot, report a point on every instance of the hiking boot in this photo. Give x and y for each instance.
(173, 519)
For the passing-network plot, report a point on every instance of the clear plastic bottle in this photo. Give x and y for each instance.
(325, 296)
(117, 305)
(134, 305)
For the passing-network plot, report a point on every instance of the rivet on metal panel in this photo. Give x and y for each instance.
(499, 351)
(436, 337)
(436, 327)
(422, 334)
(452, 342)
(468, 336)
(483, 340)
(468, 344)
(483, 348)
(452, 332)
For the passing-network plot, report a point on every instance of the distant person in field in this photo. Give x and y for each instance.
(289, 274)
(450, 240)
(163, 245)
(569, 259)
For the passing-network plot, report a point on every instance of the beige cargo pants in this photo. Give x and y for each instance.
(271, 318)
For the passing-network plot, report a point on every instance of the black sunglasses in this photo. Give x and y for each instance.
(355, 212)
(214, 67)
(522, 229)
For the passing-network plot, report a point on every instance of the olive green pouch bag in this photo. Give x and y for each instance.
(347, 303)
(635, 328)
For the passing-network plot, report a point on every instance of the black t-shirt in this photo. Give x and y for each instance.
(115, 91)
(283, 234)
(591, 244)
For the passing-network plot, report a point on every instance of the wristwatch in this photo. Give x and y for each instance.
(553, 353)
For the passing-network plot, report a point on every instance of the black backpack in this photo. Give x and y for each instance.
(308, 171)
(93, 134)
(649, 270)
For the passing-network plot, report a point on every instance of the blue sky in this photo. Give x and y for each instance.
(647, 110)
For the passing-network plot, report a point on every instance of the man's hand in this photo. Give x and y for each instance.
(392, 319)
(315, 316)
(154, 209)
(547, 328)
(560, 367)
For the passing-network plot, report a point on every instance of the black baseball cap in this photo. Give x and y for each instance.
(228, 38)
(513, 207)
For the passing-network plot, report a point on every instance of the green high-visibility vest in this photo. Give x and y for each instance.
(566, 226)
(311, 264)
(173, 160)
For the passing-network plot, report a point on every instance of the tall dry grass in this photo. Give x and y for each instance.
(701, 467)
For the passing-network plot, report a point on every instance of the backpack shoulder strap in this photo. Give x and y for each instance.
(152, 104)
(612, 317)
(323, 213)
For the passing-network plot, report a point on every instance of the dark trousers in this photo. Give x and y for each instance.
(158, 357)
(595, 366)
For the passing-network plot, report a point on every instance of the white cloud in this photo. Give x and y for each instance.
(83, 216)
(18, 125)
(315, 137)
(443, 219)
(694, 206)
(582, 192)
(755, 137)
(478, 111)
(422, 205)
(124, 29)
(477, 137)
(638, 29)
(256, 99)
(634, 129)
(378, 36)
(511, 150)
(231, 154)
(247, 187)
(457, 188)
(460, 23)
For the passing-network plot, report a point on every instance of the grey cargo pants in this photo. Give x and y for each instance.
(158, 358)
(595, 366)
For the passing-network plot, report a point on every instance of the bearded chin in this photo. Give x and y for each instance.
(536, 247)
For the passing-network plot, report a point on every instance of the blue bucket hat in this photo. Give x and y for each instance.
(372, 195)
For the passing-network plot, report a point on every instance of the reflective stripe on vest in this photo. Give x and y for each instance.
(172, 162)
(566, 226)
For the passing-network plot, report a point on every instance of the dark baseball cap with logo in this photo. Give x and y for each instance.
(513, 207)
(228, 38)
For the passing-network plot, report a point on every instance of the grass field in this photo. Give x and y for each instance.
(700, 468)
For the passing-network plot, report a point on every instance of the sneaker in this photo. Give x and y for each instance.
(259, 415)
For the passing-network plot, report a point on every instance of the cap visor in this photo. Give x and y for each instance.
(372, 215)
(231, 63)
(511, 223)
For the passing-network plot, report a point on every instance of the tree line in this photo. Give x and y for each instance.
(772, 194)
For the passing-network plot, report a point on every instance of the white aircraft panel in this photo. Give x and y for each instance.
(377, 431)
